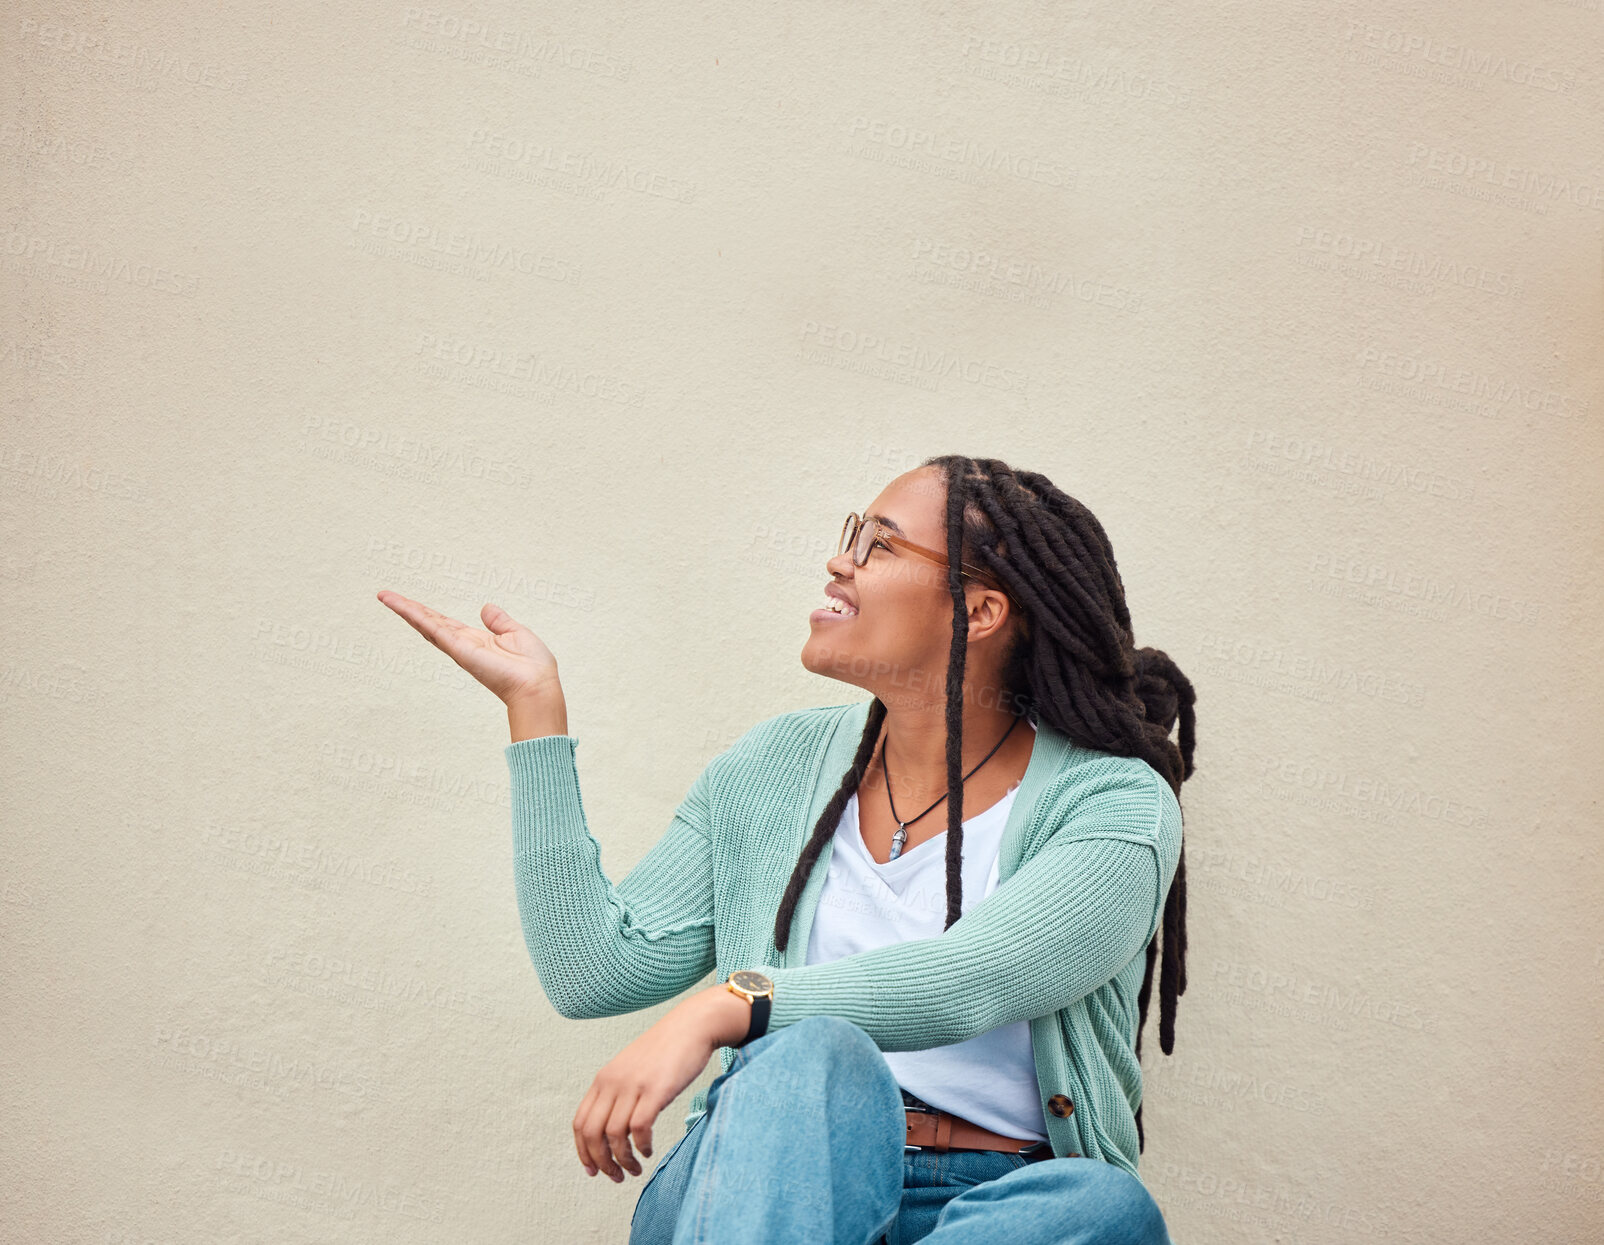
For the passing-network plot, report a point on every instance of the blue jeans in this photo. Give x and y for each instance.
(803, 1142)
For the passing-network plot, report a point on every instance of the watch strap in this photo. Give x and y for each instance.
(760, 1019)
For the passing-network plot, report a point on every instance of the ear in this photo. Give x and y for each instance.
(989, 613)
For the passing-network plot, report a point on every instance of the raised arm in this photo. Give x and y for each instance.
(1062, 925)
(600, 949)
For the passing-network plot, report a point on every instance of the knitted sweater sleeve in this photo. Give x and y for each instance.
(1061, 926)
(601, 949)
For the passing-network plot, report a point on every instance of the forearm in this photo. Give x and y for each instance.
(602, 950)
(1052, 934)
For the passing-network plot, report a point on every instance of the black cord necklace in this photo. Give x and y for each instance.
(901, 836)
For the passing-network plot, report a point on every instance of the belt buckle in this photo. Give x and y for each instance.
(923, 1108)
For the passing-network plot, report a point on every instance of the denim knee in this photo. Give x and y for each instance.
(830, 1036)
(1125, 1200)
(828, 1042)
(1117, 1200)
(832, 1054)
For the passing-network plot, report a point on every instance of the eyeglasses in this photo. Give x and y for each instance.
(861, 535)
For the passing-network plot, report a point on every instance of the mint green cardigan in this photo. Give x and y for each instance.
(1088, 853)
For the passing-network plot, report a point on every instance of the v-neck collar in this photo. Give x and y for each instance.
(856, 805)
(1048, 752)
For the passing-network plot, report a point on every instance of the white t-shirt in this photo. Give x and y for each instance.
(991, 1078)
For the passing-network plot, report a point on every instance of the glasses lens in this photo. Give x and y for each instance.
(865, 542)
(846, 535)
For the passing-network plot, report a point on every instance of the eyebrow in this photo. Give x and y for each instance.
(885, 522)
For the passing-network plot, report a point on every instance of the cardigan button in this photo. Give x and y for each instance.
(1060, 1106)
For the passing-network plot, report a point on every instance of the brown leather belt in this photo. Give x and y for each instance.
(933, 1129)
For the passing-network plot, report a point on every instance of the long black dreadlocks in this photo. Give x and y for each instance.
(1074, 665)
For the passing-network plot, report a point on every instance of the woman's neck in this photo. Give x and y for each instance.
(913, 745)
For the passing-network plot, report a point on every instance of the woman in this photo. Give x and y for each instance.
(890, 1072)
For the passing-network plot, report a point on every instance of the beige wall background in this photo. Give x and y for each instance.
(608, 316)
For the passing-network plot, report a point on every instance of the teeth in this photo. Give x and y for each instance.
(837, 606)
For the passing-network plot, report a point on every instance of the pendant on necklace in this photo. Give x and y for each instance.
(897, 840)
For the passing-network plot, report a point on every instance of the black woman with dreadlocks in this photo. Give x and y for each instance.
(935, 917)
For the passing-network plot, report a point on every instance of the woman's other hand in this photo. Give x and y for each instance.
(508, 658)
(628, 1094)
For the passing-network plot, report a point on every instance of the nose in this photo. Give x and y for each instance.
(842, 565)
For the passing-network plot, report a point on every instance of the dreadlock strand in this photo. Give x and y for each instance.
(957, 661)
(829, 819)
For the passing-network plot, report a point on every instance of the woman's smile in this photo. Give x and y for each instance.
(836, 605)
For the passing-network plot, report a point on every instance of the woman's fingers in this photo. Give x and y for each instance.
(581, 1141)
(604, 1126)
(498, 620)
(617, 1131)
(509, 659)
(640, 1125)
(431, 624)
(590, 1137)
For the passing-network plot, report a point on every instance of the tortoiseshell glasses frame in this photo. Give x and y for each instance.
(860, 535)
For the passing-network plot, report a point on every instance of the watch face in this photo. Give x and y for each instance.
(756, 982)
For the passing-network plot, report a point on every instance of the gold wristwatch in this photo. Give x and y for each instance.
(758, 990)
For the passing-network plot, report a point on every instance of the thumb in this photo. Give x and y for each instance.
(498, 620)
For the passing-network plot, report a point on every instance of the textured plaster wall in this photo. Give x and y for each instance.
(608, 316)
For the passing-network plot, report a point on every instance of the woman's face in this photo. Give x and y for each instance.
(897, 642)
